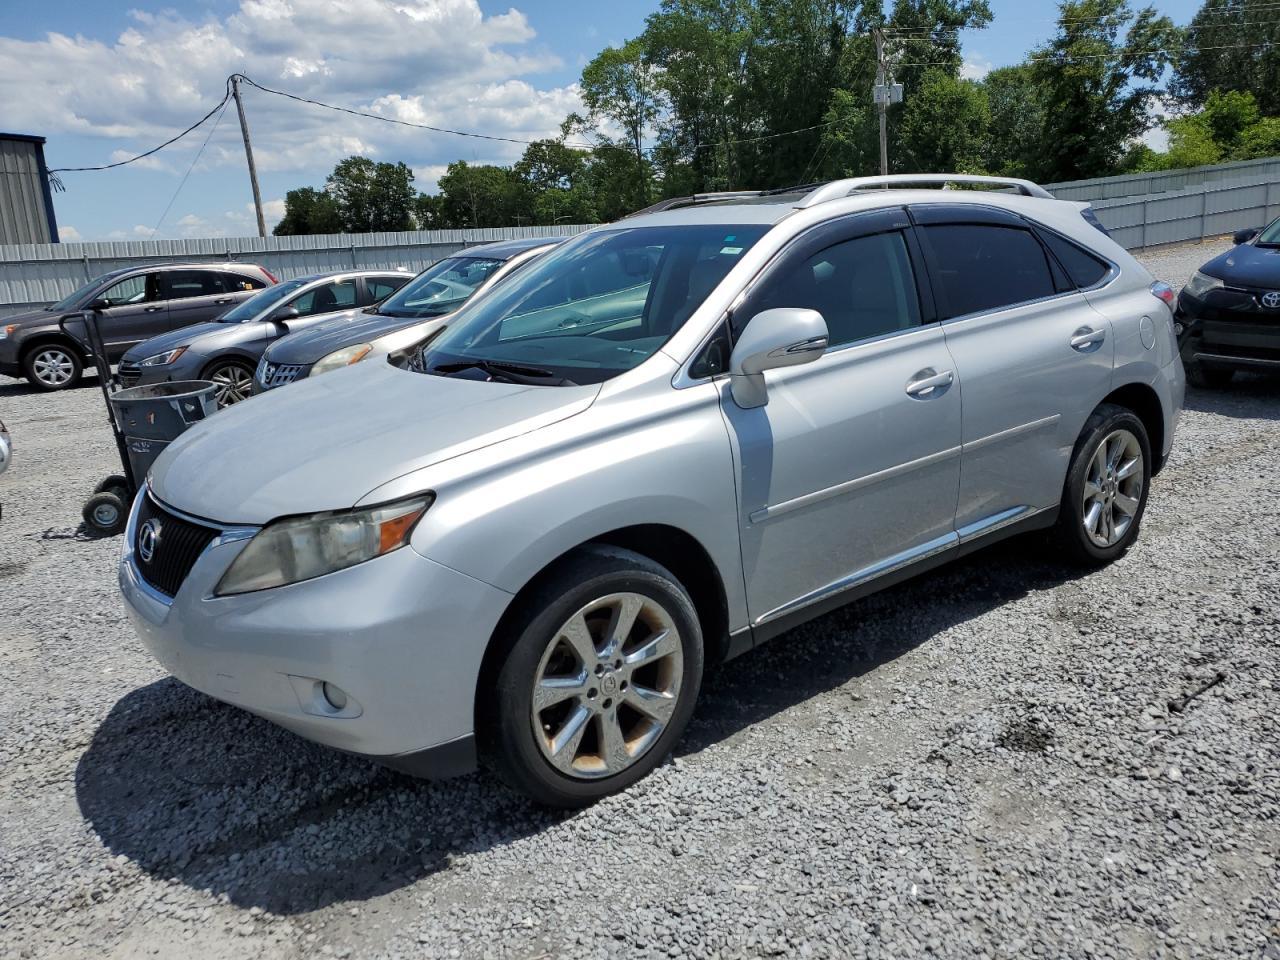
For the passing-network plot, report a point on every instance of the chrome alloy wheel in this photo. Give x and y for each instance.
(234, 382)
(53, 366)
(607, 685)
(1113, 488)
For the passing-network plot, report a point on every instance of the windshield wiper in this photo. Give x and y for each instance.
(512, 372)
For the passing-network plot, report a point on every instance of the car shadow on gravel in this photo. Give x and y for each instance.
(21, 388)
(188, 788)
(1249, 396)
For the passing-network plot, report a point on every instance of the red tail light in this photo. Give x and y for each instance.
(1162, 291)
(270, 276)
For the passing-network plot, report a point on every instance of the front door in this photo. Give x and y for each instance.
(851, 469)
(132, 311)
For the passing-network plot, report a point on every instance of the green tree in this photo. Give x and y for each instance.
(1100, 74)
(1260, 140)
(1017, 109)
(308, 211)
(483, 195)
(619, 86)
(1232, 45)
(944, 125)
(372, 197)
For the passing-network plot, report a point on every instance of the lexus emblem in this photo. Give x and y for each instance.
(1271, 300)
(148, 539)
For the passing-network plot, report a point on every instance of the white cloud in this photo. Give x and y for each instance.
(442, 62)
(975, 67)
(68, 233)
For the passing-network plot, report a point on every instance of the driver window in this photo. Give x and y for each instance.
(325, 299)
(136, 289)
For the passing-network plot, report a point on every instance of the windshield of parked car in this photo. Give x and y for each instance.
(73, 300)
(1270, 236)
(441, 288)
(594, 308)
(250, 309)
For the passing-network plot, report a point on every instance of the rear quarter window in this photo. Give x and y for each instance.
(1082, 267)
(240, 282)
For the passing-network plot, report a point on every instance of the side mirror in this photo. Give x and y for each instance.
(782, 337)
(98, 304)
(1243, 236)
(285, 314)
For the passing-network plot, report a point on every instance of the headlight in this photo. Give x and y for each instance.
(341, 358)
(1202, 283)
(163, 359)
(300, 548)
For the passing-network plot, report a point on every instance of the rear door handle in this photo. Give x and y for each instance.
(223, 300)
(1086, 337)
(927, 383)
(152, 309)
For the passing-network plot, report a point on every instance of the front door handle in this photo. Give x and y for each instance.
(928, 383)
(152, 309)
(1086, 337)
(223, 300)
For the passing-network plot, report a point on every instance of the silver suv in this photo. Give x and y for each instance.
(669, 440)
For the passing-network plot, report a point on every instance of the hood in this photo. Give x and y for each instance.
(350, 327)
(1247, 266)
(174, 338)
(32, 318)
(327, 441)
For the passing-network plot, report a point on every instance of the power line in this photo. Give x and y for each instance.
(120, 163)
(183, 182)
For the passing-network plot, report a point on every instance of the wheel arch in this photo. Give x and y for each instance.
(46, 337)
(1145, 403)
(676, 549)
(239, 359)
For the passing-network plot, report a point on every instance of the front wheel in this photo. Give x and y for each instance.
(1106, 489)
(233, 380)
(52, 366)
(599, 680)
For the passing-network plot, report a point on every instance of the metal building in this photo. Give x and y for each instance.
(26, 205)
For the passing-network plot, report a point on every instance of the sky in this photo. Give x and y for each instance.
(107, 79)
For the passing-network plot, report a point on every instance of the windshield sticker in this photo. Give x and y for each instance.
(733, 251)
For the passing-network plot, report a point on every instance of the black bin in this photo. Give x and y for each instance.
(154, 415)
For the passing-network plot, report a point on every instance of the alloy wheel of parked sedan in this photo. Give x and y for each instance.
(53, 367)
(234, 382)
(607, 685)
(1113, 488)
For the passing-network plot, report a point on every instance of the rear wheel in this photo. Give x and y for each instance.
(233, 379)
(52, 366)
(599, 679)
(1106, 489)
(1208, 377)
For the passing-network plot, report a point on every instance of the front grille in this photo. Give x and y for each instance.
(172, 544)
(129, 373)
(271, 375)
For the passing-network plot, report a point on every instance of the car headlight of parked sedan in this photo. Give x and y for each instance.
(301, 548)
(1201, 284)
(163, 359)
(341, 358)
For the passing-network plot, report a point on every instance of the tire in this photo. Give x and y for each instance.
(1100, 479)
(105, 514)
(115, 484)
(52, 366)
(1208, 377)
(586, 714)
(234, 380)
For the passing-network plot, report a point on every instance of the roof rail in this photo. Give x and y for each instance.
(672, 203)
(843, 188)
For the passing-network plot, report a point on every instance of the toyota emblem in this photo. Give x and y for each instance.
(1271, 300)
(148, 539)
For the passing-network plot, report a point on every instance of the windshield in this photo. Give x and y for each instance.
(1270, 235)
(255, 305)
(593, 308)
(73, 300)
(441, 288)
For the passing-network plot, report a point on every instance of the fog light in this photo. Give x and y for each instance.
(334, 696)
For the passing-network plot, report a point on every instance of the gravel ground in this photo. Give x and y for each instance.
(978, 763)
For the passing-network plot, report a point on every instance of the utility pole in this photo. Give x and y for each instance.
(248, 152)
(882, 98)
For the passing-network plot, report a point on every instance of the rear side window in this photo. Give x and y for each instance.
(240, 282)
(984, 267)
(326, 298)
(862, 287)
(182, 284)
(1082, 267)
(380, 287)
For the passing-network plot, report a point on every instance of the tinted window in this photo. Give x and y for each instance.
(982, 267)
(441, 288)
(862, 287)
(326, 298)
(181, 284)
(593, 308)
(239, 282)
(380, 287)
(1082, 267)
(133, 290)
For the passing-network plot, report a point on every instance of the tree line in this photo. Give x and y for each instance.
(738, 94)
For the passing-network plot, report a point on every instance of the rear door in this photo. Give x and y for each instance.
(134, 311)
(1033, 355)
(194, 296)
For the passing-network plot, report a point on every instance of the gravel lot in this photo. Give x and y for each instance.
(979, 763)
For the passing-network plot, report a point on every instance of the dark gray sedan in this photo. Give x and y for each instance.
(227, 350)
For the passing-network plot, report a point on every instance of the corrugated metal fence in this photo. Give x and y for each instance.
(33, 274)
(1193, 213)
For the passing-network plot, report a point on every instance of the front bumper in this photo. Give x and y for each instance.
(401, 636)
(1229, 329)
